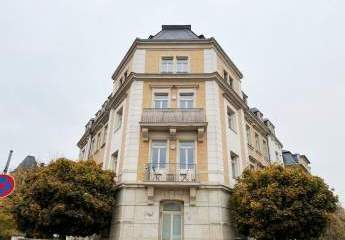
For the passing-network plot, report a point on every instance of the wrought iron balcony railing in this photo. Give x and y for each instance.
(170, 172)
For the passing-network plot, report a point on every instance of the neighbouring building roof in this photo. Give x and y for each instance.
(29, 162)
(289, 158)
(176, 32)
(295, 159)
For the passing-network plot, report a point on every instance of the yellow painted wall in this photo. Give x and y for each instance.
(202, 164)
(154, 56)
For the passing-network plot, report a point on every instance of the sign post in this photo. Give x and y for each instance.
(6, 185)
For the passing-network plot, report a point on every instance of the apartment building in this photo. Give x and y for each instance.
(296, 160)
(177, 131)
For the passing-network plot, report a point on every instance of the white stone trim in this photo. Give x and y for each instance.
(214, 137)
(139, 61)
(132, 137)
(210, 60)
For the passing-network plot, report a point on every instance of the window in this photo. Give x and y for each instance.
(186, 100)
(186, 152)
(182, 64)
(171, 221)
(277, 156)
(249, 135)
(257, 142)
(265, 149)
(231, 119)
(159, 154)
(93, 145)
(160, 100)
(234, 165)
(230, 82)
(99, 140)
(225, 75)
(118, 119)
(167, 65)
(105, 131)
(114, 158)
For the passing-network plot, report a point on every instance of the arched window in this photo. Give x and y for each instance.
(171, 220)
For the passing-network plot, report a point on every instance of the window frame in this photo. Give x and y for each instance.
(231, 118)
(105, 132)
(180, 92)
(180, 142)
(99, 139)
(235, 172)
(257, 142)
(118, 120)
(231, 82)
(171, 213)
(162, 65)
(249, 135)
(167, 143)
(225, 75)
(265, 149)
(155, 92)
(182, 58)
(114, 164)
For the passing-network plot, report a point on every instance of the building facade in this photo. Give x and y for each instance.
(296, 160)
(177, 131)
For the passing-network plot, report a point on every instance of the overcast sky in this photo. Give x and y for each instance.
(57, 58)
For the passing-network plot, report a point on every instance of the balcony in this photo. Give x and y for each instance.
(173, 119)
(171, 173)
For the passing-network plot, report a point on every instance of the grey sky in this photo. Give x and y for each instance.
(57, 58)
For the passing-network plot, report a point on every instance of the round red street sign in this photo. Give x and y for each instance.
(6, 185)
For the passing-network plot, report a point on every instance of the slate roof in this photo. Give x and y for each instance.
(289, 158)
(29, 162)
(176, 32)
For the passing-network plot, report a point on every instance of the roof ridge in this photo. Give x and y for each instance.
(176, 27)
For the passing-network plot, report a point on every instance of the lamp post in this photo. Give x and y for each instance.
(8, 161)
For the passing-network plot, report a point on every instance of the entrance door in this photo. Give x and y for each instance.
(171, 221)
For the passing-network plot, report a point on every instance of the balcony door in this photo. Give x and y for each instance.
(186, 155)
(171, 221)
(159, 155)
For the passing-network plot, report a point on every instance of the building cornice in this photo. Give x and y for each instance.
(144, 42)
(260, 126)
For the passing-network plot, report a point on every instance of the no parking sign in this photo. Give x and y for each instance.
(6, 185)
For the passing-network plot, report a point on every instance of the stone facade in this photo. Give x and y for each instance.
(177, 132)
(207, 217)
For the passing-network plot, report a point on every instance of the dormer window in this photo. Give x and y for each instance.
(181, 64)
(167, 65)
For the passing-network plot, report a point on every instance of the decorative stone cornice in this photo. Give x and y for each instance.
(258, 125)
(145, 42)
